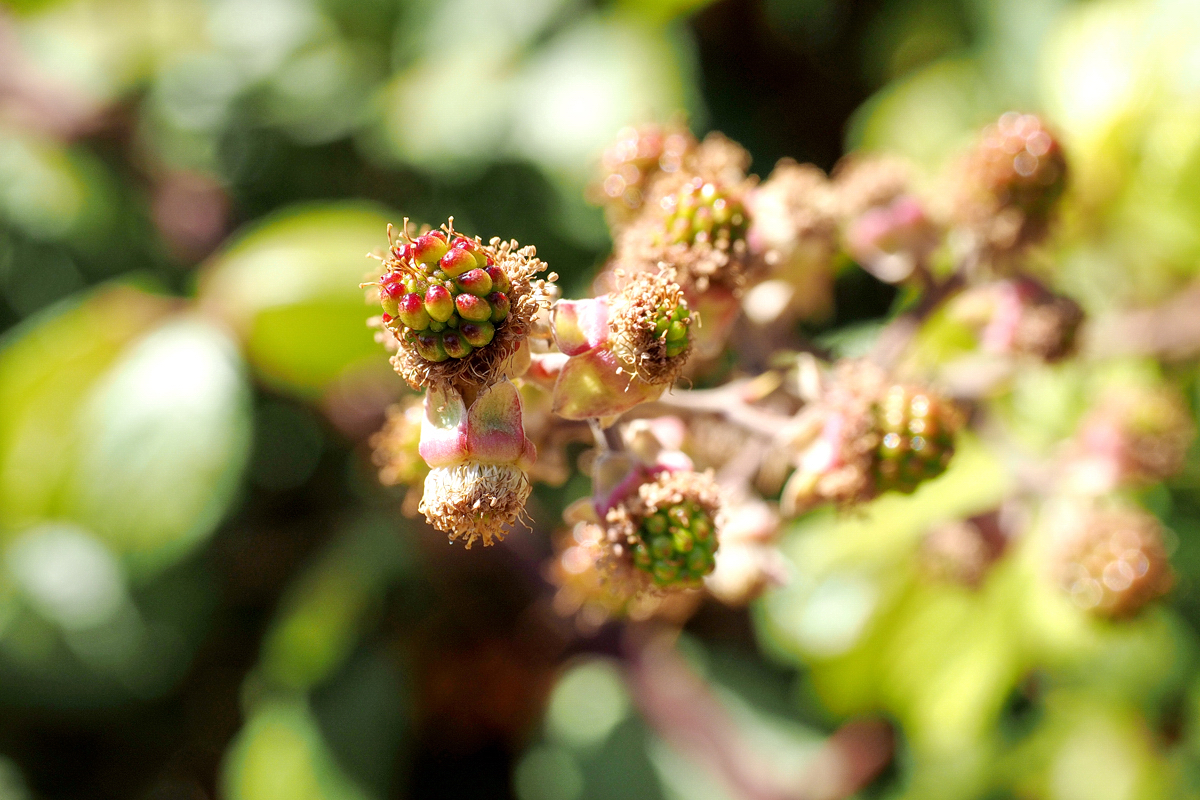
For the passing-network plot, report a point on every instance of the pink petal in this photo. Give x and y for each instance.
(444, 428)
(580, 325)
(495, 434)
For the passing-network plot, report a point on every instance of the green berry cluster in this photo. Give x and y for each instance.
(676, 545)
(443, 296)
(672, 327)
(917, 438)
(703, 213)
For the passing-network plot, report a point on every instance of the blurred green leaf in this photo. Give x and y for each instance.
(289, 287)
(163, 441)
(280, 755)
(326, 609)
(47, 367)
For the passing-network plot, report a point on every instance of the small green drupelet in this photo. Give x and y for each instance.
(673, 328)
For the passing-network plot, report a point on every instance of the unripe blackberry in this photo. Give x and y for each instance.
(695, 222)
(1111, 560)
(677, 545)
(1021, 164)
(650, 324)
(1008, 185)
(866, 435)
(594, 587)
(634, 158)
(702, 212)
(917, 438)
(457, 308)
(670, 527)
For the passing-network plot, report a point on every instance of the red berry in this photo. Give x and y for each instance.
(429, 247)
(471, 307)
(474, 248)
(390, 292)
(457, 261)
(500, 305)
(439, 303)
(500, 281)
(412, 312)
(476, 282)
(477, 334)
(456, 344)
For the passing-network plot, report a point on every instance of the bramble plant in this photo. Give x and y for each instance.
(695, 237)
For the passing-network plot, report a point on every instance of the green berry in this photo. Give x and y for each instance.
(917, 438)
(500, 281)
(500, 306)
(429, 345)
(439, 303)
(473, 307)
(455, 344)
(476, 281)
(428, 248)
(478, 334)
(411, 312)
(456, 262)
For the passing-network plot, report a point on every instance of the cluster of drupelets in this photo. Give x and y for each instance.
(691, 485)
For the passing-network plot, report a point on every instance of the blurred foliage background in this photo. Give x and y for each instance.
(203, 590)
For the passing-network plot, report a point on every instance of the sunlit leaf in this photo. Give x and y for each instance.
(290, 289)
(162, 443)
(47, 367)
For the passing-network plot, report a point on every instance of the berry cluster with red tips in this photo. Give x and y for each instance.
(443, 294)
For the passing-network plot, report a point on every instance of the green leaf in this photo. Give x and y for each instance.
(289, 287)
(327, 607)
(47, 367)
(280, 755)
(162, 444)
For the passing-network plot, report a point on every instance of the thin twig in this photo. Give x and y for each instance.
(727, 402)
(606, 438)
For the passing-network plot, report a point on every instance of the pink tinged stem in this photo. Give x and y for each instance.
(580, 325)
(444, 428)
(495, 433)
